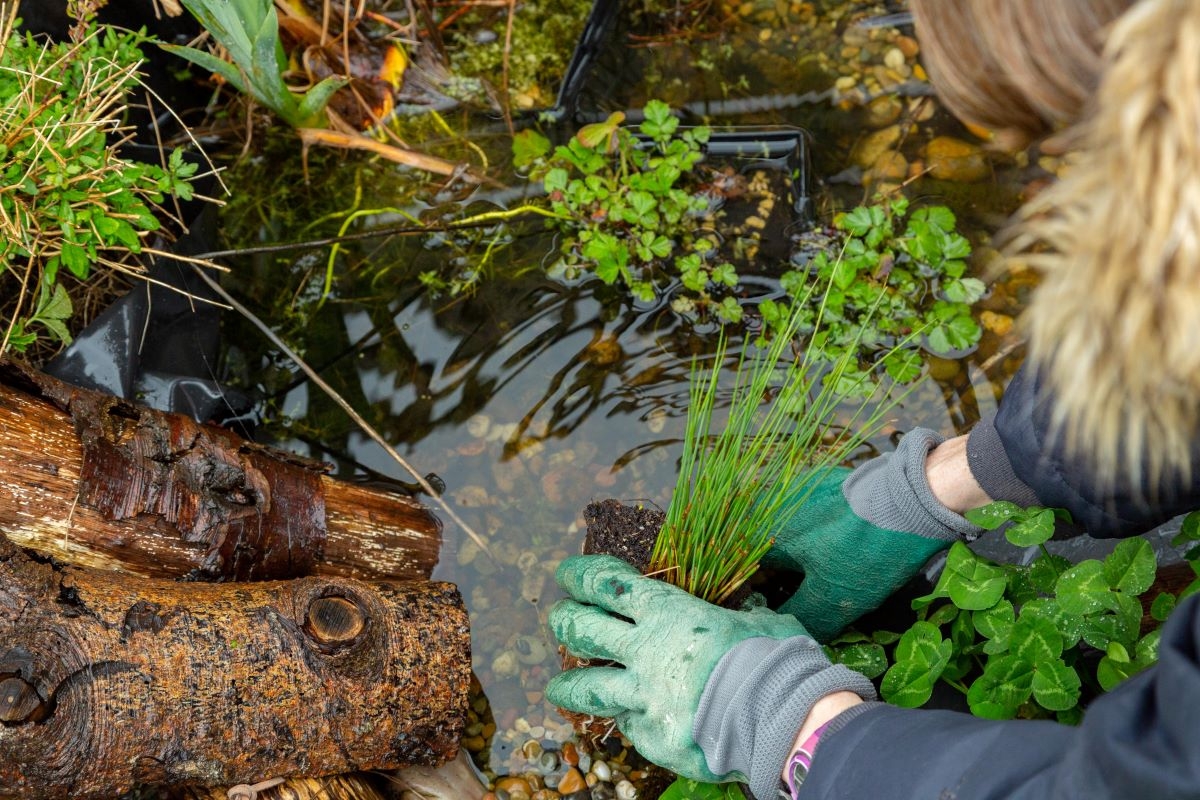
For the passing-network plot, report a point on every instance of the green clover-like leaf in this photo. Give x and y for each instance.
(1033, 530)
(1131, 566)
(1035, 639)
(994, 514)
(1055, 685)
(866, 658)
(1006, 683)
(1083, 589)
(970, 581)
(921, 656)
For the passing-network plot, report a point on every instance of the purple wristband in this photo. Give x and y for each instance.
(801, 762)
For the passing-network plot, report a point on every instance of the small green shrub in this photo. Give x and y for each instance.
(1031, 641)
(69, 200)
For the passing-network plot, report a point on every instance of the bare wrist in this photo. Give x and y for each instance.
(950, 479)
(825, 709)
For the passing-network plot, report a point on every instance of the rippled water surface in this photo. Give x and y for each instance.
(531, 397)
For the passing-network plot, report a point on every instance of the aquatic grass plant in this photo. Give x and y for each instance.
(792, 416)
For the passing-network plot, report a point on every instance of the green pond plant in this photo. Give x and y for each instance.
(72, 206)
(789, 414)
(1029, 641)
(627, 214)
(631, 213)
(898, 270)
(249, 32)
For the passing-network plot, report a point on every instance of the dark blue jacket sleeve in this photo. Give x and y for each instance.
(1142, 740)
(1017, 457)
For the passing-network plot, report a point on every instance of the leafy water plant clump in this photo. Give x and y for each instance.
(1031, 641)
(71, 203)
(626, 213)
(898, 271)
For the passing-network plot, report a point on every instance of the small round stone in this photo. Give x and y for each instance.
(604, 791)
(602, 771)
(572, 781)
(585, 763)
(548, 762)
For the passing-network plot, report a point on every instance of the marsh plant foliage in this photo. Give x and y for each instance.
(789, 418)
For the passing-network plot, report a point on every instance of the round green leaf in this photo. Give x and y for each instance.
(1045, 570)
(1005, 684)
(1162, 606)
(907, 684)
(993, 515)
(1120, 626)
(921, 655)
(869, 659)
(1035, 530)
(995, 622)
(1084, 589)
(972, 583)
(1110, 672)
(1055, 685)
(1131, 567)
(1035, 639)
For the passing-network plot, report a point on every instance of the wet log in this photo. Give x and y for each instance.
(95, 480)
(109, 681)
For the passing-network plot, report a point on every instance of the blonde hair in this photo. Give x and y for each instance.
(1114, 327)
(1021, 68)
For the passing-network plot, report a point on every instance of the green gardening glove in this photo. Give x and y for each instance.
(862, 534)
(711, 694)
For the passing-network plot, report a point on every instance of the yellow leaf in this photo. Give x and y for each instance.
(395, 61)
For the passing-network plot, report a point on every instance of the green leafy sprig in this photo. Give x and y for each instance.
(889, 281)
(249, 31)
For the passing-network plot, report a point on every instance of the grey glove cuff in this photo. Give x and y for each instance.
(991, 467)
(756, 700)
(892, 492)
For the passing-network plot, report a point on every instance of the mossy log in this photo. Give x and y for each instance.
(94, 480)
(109, 681)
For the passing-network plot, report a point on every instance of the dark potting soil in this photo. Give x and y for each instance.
(627, 532)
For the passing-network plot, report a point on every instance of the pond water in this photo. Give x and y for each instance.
(530, 397)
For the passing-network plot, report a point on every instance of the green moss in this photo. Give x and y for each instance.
(543, 38)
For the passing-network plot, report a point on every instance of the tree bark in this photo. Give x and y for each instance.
(94, 480)
(107, 680)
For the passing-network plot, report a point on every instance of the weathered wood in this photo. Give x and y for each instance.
(108, 680)
(337, 787)
(94, 480)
